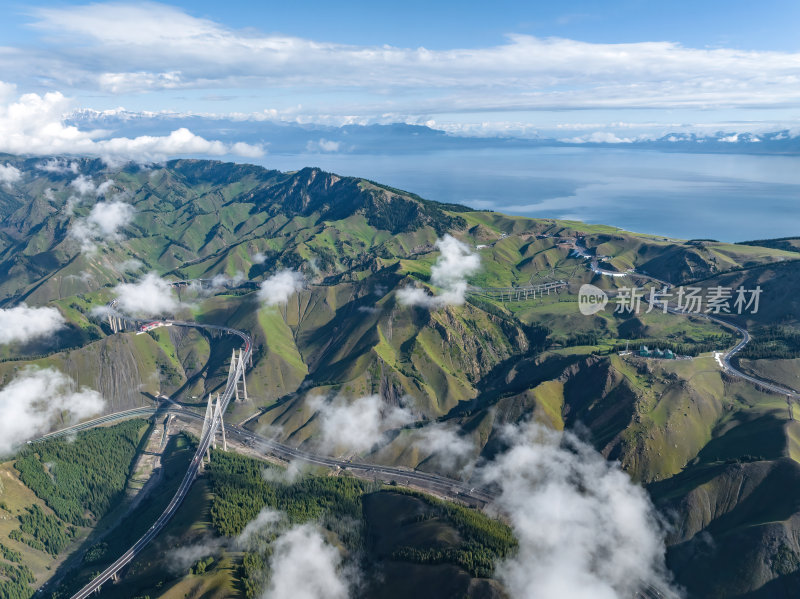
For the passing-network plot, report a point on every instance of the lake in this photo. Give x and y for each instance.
(729, 197)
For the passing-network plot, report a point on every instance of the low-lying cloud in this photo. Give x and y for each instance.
(60, 166)
(36, 400)
(585, 530)
(102, 224)
(186, 556)
(149, 296)
(23, 323)
(356, 425)
(455, 263)
(323, 145)
(304, 566)
(86, 186)
(219, 282)
(293, 472)
(9, 174)
(444, 445)
(257, 533)
(278, 288)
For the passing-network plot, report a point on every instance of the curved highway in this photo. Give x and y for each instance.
(202, 446)
(430, 482)
(730, 353)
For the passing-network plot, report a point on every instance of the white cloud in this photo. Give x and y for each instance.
(149, 296)
(278, 288)
(584, 529)
(445, 445)
(22, 323)
(102, 224)
(58, 165)
(604, 137)
(455, 263)
(356, 425)
(222, 280)
(259, 258)
(129, 265)
(258, 530)
(9, 174)
(35, 124)
(35, 400)
(219, 282)
(103, 188)
(293, 472)
(323, 145)
(184, 557)
(304, 566)
(83, 185)
(114, 47)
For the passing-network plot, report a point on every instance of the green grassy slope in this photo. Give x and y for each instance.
(683, 428)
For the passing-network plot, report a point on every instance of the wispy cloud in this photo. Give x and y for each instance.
(102, 224)
(9, 174)
(120, 42)
(356, 425)
(36, 399)
(82, 184)
(323, 145)
(304, 566)
(258, 531)
(219, 282)
(59, 165)
(184, 557)
(584, 529)
(445, 445)
(23, 323)
(455, 263)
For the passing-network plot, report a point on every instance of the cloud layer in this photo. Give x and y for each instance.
(9, 174)
(444, 445)
(102, 224)
(304, 566)
(356, 425)
(35, 124)
(113, 47)
(36, 399)
(278, 288)
(149, 296)
(455, 263)
(584, 529)
(23, 324)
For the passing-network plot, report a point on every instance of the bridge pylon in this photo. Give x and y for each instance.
(115, 322)
(214, 414)
(240, 389)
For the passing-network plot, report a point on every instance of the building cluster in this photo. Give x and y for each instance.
(666, 354)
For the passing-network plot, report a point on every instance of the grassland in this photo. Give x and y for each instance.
(684, 428)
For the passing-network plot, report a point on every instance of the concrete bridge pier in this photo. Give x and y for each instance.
(240, 389)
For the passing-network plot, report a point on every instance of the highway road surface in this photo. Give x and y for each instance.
(730, 353)
(202, 446)
(71, 430)
(430, 482)
(433, 483)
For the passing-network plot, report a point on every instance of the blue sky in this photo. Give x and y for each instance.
(770, 25)
(575, 70)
